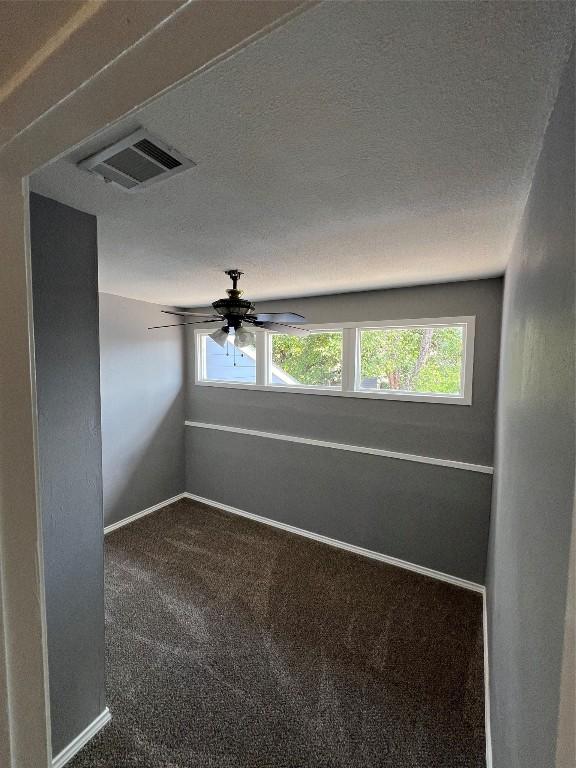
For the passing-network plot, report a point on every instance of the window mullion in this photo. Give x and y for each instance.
(349, 359)
(262, 357)
(198, 355)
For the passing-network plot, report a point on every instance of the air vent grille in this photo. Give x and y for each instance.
(156, 153)
(110, 175)
(134, 165)
(137, 161)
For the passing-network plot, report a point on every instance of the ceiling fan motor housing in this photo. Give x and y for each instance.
(233, 309)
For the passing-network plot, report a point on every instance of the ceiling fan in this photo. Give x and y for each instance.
(235, 312)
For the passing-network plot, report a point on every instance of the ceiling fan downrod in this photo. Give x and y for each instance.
(234, 275)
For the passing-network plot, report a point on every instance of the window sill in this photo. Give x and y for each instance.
(363, 394)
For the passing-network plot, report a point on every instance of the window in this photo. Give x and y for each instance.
(226, 364)
(419, 360)
(425, 360)
(308, 361)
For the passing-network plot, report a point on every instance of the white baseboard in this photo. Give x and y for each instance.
(302, 532)
(81, 740)
(391, 561)
(342, 545)
(86, 735)
(143, 513)
(487, 724)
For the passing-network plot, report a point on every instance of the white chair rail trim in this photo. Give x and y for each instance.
(487, 470)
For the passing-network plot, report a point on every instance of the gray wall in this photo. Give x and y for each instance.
(432, 516)
(534, 490)
(142, 380)
(65, 295)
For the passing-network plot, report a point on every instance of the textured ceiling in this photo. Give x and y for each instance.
(362, 145)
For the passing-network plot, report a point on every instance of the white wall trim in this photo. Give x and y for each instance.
(341, 544)
(198, 35)
(487, 724)
(86, 735)
(143, 513)
(471, 585)
(82, 739)
(346, 447)
(364, 394)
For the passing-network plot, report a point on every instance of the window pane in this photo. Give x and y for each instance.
(228, 363)
(418, 360)
(309, 361)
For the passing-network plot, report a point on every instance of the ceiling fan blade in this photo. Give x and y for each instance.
(185, 313)
(177, 325)
(278, 317)
(289, 330)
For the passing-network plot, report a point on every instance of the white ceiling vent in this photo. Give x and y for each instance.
(137, 161)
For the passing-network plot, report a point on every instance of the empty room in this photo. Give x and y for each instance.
(287, 471)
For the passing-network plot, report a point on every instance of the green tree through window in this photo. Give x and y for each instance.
(424, 360)
(314, 360)
(421, 360)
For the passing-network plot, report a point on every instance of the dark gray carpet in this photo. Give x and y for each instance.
(232, 645)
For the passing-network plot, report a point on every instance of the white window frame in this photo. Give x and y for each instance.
(323, 389)
(199, 370)
(350, 362)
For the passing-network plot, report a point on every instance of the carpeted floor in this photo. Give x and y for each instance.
(234, 645)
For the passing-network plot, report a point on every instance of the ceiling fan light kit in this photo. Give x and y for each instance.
(234, 312)
(220, 336)
(243, 338)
